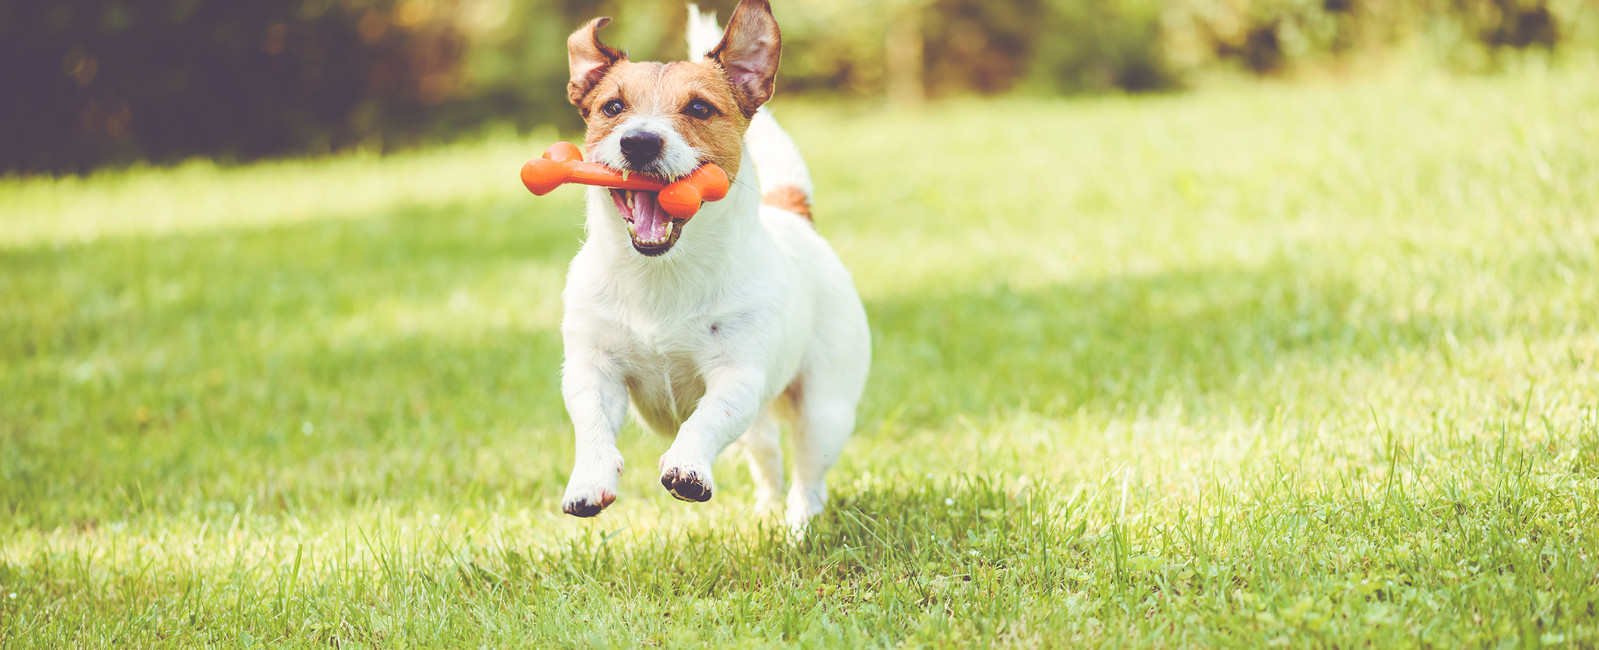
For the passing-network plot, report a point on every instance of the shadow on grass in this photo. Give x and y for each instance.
(1128, 343)
(953, 528)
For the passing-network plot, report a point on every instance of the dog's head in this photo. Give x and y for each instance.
(667, 119)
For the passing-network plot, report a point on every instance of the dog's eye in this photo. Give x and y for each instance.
(612, 108)
(698, 109)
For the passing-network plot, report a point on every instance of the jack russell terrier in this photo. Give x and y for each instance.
(714, 330)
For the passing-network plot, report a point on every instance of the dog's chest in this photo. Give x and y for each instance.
(665, 379)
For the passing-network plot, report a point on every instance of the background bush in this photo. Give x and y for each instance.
(94, 82)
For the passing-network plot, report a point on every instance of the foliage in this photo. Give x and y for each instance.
(1291, 364)
(110, 81)
(95, 81)
(1269, 35)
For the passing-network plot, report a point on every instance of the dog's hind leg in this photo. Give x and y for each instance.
(764, 451)
(823, 423)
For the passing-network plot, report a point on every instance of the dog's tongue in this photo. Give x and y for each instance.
(649, 220)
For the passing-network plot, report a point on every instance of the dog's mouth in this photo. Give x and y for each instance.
(652, 229)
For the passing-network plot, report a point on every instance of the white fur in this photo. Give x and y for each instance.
(776, 156)
(748, 321)
(703, 32)
(677, 157)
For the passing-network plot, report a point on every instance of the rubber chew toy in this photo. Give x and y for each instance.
(563, 163)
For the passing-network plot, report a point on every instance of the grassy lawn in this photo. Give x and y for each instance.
(1286, 364)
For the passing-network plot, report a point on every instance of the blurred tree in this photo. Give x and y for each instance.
(97, 81)
(1100, 46)
(92, 82)
(905, 53)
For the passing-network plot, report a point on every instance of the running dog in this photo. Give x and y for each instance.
(716, 329)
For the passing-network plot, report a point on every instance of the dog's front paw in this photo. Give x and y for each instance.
(687, 482)
(593, 486)
(587, 505)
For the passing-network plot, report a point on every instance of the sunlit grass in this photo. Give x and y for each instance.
(1291, 364)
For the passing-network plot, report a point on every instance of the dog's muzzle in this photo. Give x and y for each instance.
(641, 148)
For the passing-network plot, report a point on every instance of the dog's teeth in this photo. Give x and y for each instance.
(624, 177)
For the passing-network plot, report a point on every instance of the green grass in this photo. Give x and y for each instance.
(1310, 364)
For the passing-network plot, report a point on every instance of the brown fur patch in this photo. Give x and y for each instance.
(588, 59)
(666, 89)
(791, 198)
(749, 53)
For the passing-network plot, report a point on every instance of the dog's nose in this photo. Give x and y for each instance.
(641, 147)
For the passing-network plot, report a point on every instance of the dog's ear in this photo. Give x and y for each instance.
(749, 52)
(588, 59)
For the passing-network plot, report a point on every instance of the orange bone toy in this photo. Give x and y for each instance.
(563, 163)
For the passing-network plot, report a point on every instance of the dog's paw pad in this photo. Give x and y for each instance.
(588, 506)
(686, 485)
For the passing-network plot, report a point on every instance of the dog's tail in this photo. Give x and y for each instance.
(785, 180)
(703, 32)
